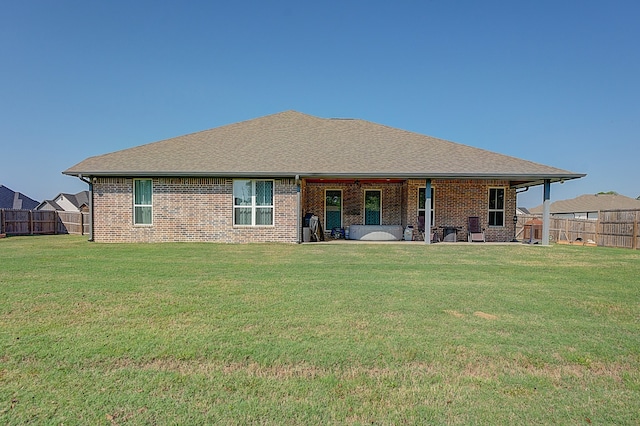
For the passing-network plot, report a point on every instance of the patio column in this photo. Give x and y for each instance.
(546, 207)
(427, 212)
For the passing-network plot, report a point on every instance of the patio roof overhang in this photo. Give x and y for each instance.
(516, 181)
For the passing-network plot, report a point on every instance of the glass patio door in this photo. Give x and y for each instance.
(333, 209)
(372, 207)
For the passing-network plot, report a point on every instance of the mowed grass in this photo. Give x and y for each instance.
(317, 334)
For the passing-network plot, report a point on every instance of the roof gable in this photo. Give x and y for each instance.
(291, 143)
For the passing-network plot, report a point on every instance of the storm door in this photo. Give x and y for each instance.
(333, 209)
(372, 207)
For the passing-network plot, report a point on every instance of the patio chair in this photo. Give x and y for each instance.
(476, 233)
(434, 233)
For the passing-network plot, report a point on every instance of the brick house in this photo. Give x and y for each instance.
(255, 181)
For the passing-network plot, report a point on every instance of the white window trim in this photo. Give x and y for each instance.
(141, 205)
(253, 205)
(433, 201)
(364, 204)
(503, 209)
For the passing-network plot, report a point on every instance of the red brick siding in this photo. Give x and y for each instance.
(200, 209)
(188, 209)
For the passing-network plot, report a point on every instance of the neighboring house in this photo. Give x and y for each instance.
(67, 202)
(587, 206)
(10, 199)
(522, 211)
(257, 180)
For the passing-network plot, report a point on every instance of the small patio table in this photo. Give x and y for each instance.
(450, 233)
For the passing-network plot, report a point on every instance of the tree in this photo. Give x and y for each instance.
(607, 193)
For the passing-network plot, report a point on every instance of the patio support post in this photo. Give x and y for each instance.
(546, 207)
(427, 212)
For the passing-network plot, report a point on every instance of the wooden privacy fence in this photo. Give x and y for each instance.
(39, 222)
(619, 228)
(613, 228)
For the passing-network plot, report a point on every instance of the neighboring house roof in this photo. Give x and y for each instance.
(10, 199)
(291, 143)
(590, 203)
(522, 210)
(79, 199)
(66, 202)
(49, 205)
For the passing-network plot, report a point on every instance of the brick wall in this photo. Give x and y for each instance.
(200, 209)
(188, 209)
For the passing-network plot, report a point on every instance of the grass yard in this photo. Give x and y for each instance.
(317, 334)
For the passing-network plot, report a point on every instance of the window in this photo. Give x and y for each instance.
(142, 202)
(421, 203)
(332, 209)
(252, 202)
(372, 207)
(496, 206)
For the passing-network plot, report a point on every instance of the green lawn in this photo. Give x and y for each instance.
(317, 334)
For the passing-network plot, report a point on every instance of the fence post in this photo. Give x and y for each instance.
(634, 241)
(81, 224)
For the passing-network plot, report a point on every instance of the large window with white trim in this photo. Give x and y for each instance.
(496, 206)
(142, 201)
(252, 202)
(422, 202)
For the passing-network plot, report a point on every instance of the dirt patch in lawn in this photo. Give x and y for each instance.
(455, 313)
(485, 315)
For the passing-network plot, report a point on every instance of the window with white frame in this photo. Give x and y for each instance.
(422, 202)
(252, 202)
(142, 201)
(496, 206)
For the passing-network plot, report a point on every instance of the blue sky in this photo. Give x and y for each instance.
(556, 82)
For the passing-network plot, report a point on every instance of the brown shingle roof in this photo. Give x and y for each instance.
(590, 203)
(291, 143)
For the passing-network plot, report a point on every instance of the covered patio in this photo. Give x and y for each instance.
(384, 208)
